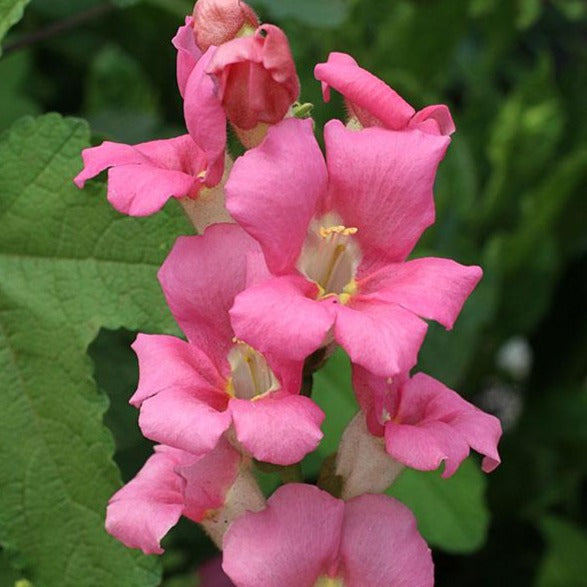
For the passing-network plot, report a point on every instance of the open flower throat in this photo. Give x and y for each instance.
(330, 257)
(325, 581)
(250, 376)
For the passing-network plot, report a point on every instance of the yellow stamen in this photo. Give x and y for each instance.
(350, 289)
(326, 231)
(230, 387)
(329, 582)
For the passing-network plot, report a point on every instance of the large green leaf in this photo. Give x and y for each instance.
(69, 265)
(10, 13)
(451, 513)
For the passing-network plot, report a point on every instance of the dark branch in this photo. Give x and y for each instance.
(58, 28)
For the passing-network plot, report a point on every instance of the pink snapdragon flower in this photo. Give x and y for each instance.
(141, 178)
(250, 81)
(212, 489)
(307, 538)
(336, 234)
(256, 76)
(424, 423)
(373, 103)
(190, 393)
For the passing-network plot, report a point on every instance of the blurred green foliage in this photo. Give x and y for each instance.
(510, 197)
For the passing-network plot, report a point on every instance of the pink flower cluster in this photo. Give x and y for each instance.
(298, 252)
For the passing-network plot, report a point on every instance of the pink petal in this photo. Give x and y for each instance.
(281, 316)
(200, 279)
(381, 545)
(425, 423)
(433, 288)
(479, 430)
(383, 338)
(257, 79)
(374, 103)
(108, 154)
(425, 445)
(368, 96)
(205, 118)
(188, 53)
(143, 177)
(144, 510)
(166, 362)
(279, 428)
(208, 480)
(290, 543)
(139, 190)
(439, 115)
(178, 418)
(274, 189)
(381, 183)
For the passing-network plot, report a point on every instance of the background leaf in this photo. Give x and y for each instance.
(326, 13)
(451, 513)
(334, 394)
(565, 563)
(11, 12)
(69, 265)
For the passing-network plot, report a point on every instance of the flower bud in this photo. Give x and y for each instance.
(219, 21)
(256, 76)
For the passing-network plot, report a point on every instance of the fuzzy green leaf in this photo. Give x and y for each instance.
(69, 265)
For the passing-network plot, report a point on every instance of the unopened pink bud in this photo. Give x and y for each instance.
(257, 80)
(220, 21)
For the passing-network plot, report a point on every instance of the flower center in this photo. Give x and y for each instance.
(330, 257)
(250, 375)
(325, 581)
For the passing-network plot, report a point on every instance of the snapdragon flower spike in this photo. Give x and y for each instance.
(190, 393)
(307, 538)
(141, 178)
(172, 483)
(336, 234)
(373, 103)
(424, 423)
